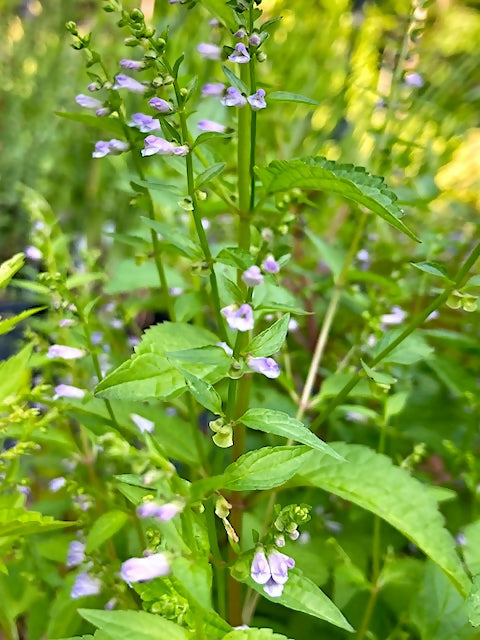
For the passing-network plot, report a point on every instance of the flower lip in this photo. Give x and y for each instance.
(260, 569)
(85, 585)
(144, 122)
(211, 125)
(233, 98)
(123, 81)
(88, 102)
(240, 54)
(257, 100)
(267, 366)
(144, 569)
(240, 318)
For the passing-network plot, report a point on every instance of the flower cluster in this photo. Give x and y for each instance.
(271, 571)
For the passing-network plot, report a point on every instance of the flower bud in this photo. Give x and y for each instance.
(261, 56)
(136, 15)
(71, 27)
(131, 42)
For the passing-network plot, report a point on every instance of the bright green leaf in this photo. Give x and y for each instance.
(378, 376)
(433, 268)
(112, 125)
(9, 323)
(371, 481)
(353, 183)
(10, 267)
(269, 341)
(209, 174)
(15, 374)
(286, 96)
(281, 424)
(172, 235)
(203, 392)
(265, 468)
(138, 625)
(106, 526)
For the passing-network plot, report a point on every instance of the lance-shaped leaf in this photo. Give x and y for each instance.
(125, 625)
(301, 594)
(351, 182)
(106, 526)
(280, 423)
(269, 341)
(265, 468)
(10, 267)
(371, 481)
(286, 96)
(112, 125)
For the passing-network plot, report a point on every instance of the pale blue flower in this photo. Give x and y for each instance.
(252, 276)
(160, 105)
(240, 54)
(213, 89)
(414, 79)
(164, 512)
(143, 569)
(228, 350)
(64, 352)
(111, 147)
(211, 125)
(32, 253)
(68, 391)
(233, 98)
(240, 318)
(156, 145)
(144, 123)
(257, 100)
(56, 484)
(270, 265)
(260, 569)
(126, 82)
(254, 40)
(133, 65)
(85, 585)
(209, 51)
(88, 102)
(75, 554)
(145, 425)
(267, 366)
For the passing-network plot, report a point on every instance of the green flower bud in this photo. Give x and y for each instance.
(71, 27)
(131, 42)
(136, 15)
(236, 370)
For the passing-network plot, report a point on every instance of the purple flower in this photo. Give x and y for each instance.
(270, 265)
(213, 89)
(182, 150)
(145, 425)
(396, 316)
(64, 352)
(111, 147)
(102, 112)
(66, 322)
(68, 391)
(154, 144)
(85, 585)
(233, 98)
(211, 125)
(257, 100)
(260, 570)
(363, 256)
(126, 82)
(33, 253)
(240, 318)
(414, 80)
(272, 573)
(241, 33)
(240, 54)
(75, 554)
(142, 569)
(267, 366)
(88, 102)
(144, 123)
(134, 65)
(159, 511)
(160, 105)
(252, 276)
(228, 350)
(254, 40)
(209, 51)
(56, 484)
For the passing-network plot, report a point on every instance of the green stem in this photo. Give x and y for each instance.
(458, 282)
(368, 613)
(195, 208)
(219, 563)
(244, 167)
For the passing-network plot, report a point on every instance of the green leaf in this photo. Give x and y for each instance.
(175, 237)
(15, 374)
(203, 392)
(413, 349)
(371, 481)
(155, 186)
(10, 267)
(20, 522)
(110, 124)
(471, 548)
(196, 577)
(269, 341)
(209, 174)
(106, 526)
(351, 182)
(209, 135)
(235, 257)
(254, 634)
(9, 323)
(378, 376)
(301, 594)
(235, 80)
(438, 611)
(281, 424)
(149, 374)
(433, 268)
(334, 257)
(140, 625)
(286, 96)
(219, 9)
(473, 603)
(265, 468)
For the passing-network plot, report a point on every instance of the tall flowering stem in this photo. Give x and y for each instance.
(193, 198)
(253, 128)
